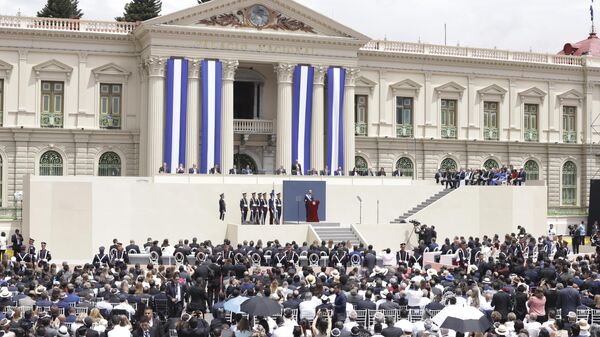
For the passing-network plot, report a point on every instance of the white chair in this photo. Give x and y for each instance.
(154, 257)
(200, 256)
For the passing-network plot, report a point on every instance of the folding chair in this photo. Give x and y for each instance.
(415, 315)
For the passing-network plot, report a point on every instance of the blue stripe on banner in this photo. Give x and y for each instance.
(183, 115)
(211, 115)
(302, 115)
(168, 145)
(335, 130)
(341, 121)
(176, 111)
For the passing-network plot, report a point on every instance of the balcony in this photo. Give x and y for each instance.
(404, 131)
(570, 137)
(449, 132)
(531, 135)
(490, 133)
(360, 129)
(253, 126)
(72, 25)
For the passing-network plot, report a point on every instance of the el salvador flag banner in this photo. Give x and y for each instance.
(336, 78)
(302, 115)
(212, 85)
(176, 111)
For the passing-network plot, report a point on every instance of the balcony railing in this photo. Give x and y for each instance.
(404, 131)
(478, 53)
(75, 25)
(490, 133)
(449, 132)
(531, 135)
(360, 129)
(569, 136)
(253, 126)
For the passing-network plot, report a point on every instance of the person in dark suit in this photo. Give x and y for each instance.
(339, 171)
(280, 171)
(325, 172)
(197, 295)
(278, 205)
(176, 292)
(180, 169)
(244, 207)
(17, 241)
(568, 298)
(391, 330)
(521, 177)
(253, 209)
(145, 330)
(398, 173)
(297, 169)
(222, 207)
(234, 170)
(501, 302)
(43, 256)
(132, 247)
(272, 210)
(307, 199)
(194, 169)
(247, 170)
(164, 168)
(215, 170)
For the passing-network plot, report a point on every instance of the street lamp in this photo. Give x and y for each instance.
(360, 209)
(18, 199)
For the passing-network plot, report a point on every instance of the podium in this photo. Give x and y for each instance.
(312, 211)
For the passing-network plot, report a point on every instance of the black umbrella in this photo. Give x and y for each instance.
(261, 306)
(462, 319)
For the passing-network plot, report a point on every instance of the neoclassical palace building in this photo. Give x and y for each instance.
(266, 83)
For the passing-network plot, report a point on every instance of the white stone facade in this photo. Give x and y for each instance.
(85, 54)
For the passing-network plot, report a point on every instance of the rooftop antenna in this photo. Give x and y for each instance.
(445, 35)
(592, 17)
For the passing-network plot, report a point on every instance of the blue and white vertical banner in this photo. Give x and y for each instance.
(302, 115)
(212, 86)
(176, 113)
(336, 78)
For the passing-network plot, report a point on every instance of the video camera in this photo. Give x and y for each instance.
(415, 223)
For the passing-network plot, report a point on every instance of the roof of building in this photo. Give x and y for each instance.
(589, 46)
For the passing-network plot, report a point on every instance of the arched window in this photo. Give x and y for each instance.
(490, 164)
(532, 169)
(109, 165)
(242, 160)
(569, 183)
(361, 165)
(51, 164)
(406, 166)
(448, 164)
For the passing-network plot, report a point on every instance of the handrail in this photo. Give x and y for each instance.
(468, 52)
(74, 25)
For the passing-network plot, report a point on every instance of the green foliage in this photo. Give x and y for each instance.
(141, 10)
(65, 9)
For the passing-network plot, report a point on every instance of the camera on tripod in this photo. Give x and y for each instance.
(415, 223)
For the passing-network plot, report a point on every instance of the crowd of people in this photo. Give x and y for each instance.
(493, 176)
(526, 286)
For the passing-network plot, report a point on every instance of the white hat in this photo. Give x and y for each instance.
(4, 293)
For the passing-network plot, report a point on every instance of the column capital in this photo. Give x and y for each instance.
(156, 66)
(194, 68)
(285, 72)
(351, 75)
(229, 68)
(320, 72)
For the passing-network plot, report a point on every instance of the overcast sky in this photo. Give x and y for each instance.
(538, 25)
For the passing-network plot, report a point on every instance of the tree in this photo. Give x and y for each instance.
(141, 10)
(66, 9)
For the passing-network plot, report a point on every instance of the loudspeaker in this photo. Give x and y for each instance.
(594, 206)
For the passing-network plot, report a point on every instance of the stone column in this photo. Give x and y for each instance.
(193, 114)
(229, 68)
(156, 67)
(348, 120)
(285, 73)
(317, 138)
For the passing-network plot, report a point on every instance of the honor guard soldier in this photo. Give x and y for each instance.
(278, 205)
(402, 255)
(31, 251)
(279, 260)
(22, 256)
(253, 209)
(290, 255)
(339, 259)
(43, 256)
(272, 210)
(101, 259)
(120, 257)
(244, 207)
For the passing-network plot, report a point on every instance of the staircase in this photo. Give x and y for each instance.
(335, 232)
(422, 205)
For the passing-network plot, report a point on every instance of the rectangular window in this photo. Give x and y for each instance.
(1, 110)
(569, 126)
(449, 110)
(490, 120)
(360, 114)
(530, 122)
(52, 104)
(404, 116)
(110, 106)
